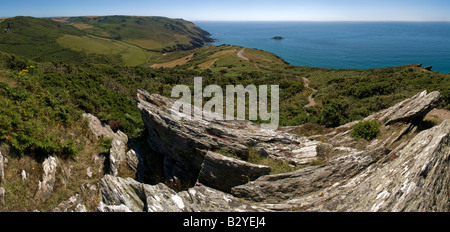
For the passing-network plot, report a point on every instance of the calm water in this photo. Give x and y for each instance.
(359, 45)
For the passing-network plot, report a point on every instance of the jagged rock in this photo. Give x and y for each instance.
(414, 177)
(185, 143)
(119, 191)
(117, 153)
(410, 109)
(2, 169)
(223, 173)
(24, 175)
(89, 172)
(129, 195)
(45, 188)
(132, 160)
(97, 128)
(2, 196)
(65, 206)
(276, 188)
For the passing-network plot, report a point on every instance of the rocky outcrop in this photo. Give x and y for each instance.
(414, 177)
(73, 204)
(117, 153)
(45, 187)
(414, 108)
(404, 170)
(223, 173)
(125, 195)
(185, 143)
(280, 187)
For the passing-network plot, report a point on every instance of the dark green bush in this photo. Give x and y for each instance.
(366, 130)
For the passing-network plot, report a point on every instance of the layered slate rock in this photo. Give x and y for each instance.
(410, 109)
(184, 143)
(223, 173)
(280, 187)
(414, 177)
(128, 195)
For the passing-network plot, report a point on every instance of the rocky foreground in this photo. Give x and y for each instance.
(405, 169)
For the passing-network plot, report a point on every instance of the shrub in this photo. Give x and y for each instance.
(366, 130)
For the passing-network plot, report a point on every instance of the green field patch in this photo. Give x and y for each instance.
(130, 54)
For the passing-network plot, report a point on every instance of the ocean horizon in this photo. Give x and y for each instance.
(343, 44)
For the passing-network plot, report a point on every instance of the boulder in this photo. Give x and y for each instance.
(185, 143)
(223, 173)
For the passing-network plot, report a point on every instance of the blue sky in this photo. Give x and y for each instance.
(240, 10)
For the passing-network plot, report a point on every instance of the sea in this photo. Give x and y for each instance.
(342, 45)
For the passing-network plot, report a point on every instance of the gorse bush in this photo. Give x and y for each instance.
(366, 130)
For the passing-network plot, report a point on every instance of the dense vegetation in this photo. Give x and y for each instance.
(367, 130)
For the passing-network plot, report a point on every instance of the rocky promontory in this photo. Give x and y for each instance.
(405, 169)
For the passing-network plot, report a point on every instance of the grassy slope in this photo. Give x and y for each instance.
(152, 33)
(118, 40)
(36, 38)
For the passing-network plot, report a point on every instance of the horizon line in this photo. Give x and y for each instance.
(229, 20)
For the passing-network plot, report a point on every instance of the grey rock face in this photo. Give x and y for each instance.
(223, 173)
(45, 188)
(185, 143)
(276, 188)
(414, 177)
(123, 195)
(412, 108)
(117, 153)
(404, 171)
(119, 191)
(132, 160)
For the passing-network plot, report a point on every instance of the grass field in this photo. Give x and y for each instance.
(174, 63)
(130, 54)
(151, 33)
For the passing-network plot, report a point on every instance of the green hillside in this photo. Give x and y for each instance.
(116, 40)
(152, 33)
(35, 38)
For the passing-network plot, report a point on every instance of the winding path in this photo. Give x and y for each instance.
(239, 54)
(312, 102)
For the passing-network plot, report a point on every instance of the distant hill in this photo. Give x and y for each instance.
(121, 40)
(36, 38)
(152, 33)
